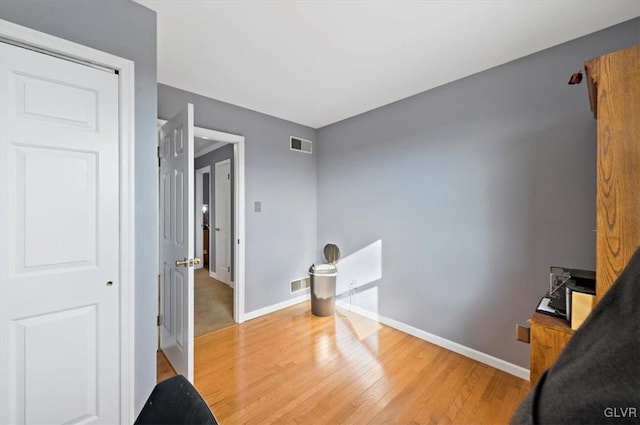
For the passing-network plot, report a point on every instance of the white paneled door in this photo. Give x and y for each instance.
(177, 241)
(222, 226)
(59, 241)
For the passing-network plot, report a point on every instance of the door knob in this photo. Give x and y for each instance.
(217, 229)
(187, 263)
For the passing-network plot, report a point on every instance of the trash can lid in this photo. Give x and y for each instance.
(324, 269)
(331, 253)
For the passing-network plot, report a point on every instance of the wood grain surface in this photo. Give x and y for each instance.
(549, 335)
(616, 78)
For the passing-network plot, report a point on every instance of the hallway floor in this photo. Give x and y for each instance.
(213, 303)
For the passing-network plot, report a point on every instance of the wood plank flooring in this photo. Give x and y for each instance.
(164, 369)
(290, 367)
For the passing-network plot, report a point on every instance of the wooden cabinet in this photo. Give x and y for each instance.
(614, 92)
(549, 335)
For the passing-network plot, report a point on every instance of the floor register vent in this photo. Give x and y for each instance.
(300, 145)
(300, 284)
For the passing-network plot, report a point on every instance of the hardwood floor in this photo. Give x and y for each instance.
(164, 368)
(292, 367)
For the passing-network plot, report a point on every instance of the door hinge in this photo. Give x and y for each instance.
(159, 156)
(158, 321)
(229, 269)
(228, 176)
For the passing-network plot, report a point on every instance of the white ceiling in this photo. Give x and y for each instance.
(318, 62)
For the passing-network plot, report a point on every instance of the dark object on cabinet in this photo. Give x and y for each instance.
(575, 78)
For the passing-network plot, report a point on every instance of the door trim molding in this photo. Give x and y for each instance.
(239, 225)
(79, 53)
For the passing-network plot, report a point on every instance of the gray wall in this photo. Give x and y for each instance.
(473, 189)
(281, 240)
(210, 158)
(127, 30)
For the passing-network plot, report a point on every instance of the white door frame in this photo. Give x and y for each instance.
(72, 51)
(239, 204)
(199, 252)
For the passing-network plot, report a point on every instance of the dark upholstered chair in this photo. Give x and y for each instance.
(175, 401)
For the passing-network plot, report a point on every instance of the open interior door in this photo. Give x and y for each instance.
(177, 241)
(223, 220)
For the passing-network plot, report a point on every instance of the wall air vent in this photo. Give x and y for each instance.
(300, 284)
(300, 145)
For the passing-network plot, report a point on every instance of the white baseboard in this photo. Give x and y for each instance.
(215, 276)
(275, 307)
(485, 358)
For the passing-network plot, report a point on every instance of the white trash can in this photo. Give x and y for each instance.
(323, 289)
(323, 282)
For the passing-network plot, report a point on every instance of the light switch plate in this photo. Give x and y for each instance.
(257, 206)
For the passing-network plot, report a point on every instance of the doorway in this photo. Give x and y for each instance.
(213, 288)
(184, 306)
